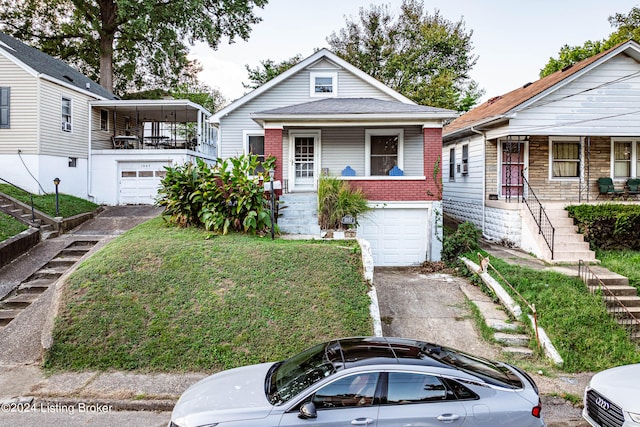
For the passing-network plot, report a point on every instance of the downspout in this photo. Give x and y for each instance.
(89, 157)
(484, 174)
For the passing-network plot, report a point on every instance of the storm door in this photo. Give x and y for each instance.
(304, 156)
(512, 165)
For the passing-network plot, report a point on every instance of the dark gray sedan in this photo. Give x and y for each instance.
(367, 381)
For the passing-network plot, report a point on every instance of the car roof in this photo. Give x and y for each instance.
(363, 351)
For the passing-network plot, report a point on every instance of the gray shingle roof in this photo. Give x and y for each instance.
(354, 106)
(45, 64)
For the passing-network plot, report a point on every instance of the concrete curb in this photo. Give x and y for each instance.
(549, 350)
(367, 265)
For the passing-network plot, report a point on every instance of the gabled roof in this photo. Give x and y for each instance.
(499, 108)
(323, 53)
(40, 64)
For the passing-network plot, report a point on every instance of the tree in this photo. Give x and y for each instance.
(126, 44)
(425, 57)
(627, 28)
(267, 70)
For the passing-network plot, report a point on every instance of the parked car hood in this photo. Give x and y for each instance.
(236, 394)
(620, 385)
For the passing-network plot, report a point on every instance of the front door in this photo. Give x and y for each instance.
(513, 151)
(304, 163)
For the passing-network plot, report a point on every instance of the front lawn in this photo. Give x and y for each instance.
(68, 206)
(624, 262)
(167, 299)
(9, 226)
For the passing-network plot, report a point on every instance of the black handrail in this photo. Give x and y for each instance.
(33, 213)
(545, 227)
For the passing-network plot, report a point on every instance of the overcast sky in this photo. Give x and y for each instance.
(513, 39)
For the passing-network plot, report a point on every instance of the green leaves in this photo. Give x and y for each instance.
(228, 196)
(336, 199)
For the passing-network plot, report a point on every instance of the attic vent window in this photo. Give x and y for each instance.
(68, 78)
(323, 84)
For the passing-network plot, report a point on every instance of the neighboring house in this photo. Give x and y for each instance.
(57, 123)
(326, 117)
(548, 141)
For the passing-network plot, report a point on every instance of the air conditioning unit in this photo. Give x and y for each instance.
(465, 168)
(66, 126)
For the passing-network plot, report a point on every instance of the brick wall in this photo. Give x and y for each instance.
(392, 190)
(273, 147)
(432, 147)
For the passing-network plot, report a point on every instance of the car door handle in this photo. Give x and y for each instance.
(448, 418)
(361, 421)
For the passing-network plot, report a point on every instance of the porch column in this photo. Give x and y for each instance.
(273, 147)
(432, 138)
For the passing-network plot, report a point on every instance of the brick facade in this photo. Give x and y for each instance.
(273, 147)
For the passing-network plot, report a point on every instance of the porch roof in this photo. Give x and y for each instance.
(155, 110)
(354, 109)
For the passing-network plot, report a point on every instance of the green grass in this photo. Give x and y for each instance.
(67, 205)
(624, 262)
(9, 226)
(168, 299)
(587, 338)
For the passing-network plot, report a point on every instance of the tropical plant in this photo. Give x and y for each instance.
(336, 199)
(464, 239)
(227, 196)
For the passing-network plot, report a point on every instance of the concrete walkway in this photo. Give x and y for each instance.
(431, 307)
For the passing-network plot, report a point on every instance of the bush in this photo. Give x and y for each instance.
(464, 239)
(227, 196)
(336, 199)
(609, 225)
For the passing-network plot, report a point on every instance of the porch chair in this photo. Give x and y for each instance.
(606, 188)
(633, 186)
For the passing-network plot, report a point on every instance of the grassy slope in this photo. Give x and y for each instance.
(67, 205)
(167, 299)
(9, 226)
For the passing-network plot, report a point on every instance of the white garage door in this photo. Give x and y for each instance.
(139, 182)
(398, 236)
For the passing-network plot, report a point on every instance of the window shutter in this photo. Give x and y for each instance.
(4, 107)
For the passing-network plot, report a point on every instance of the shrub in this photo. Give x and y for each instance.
(464, 239)
(608, 225)
(227, 196)
(336, 199)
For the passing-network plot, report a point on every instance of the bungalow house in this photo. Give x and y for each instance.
(324, 116)
(512, 164)
(57, 123)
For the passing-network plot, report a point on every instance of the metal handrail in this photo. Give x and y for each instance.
(540, 216)
(617, 309)
(33, 213)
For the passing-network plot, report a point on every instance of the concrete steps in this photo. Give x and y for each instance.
(28, 291)
(24, 214)
(298, 214)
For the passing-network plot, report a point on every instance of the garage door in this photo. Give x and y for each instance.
(398, 236)
(139, 182)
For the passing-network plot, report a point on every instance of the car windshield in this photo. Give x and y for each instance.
(491, 372)
(286, 379)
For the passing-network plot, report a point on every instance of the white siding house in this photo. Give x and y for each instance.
(540, 147)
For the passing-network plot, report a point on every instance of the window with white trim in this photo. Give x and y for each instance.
(255, 146)
(465, 159)
(565, 158)
(383, 150)
(323, 84)
(625, 157)
(66, 114)
(452, 164)
(5, 107)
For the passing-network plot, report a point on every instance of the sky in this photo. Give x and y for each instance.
(513, 39)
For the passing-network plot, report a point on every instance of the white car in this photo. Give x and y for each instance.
(612, 398)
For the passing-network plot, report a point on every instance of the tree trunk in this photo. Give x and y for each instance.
(108, 27)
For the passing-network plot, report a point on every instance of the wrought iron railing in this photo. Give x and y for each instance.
(615, 307)
(545, 228)
(33, 213)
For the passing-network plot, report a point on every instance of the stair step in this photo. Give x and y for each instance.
(61, 263)
(49, 273)
(19, 301)
(500, 325)
(72, 253)
(627, 301)
(82, 244)
(618, 290)
(512, 339)
(34, 286)
(633, 310)
(518, 351)
(7, 316)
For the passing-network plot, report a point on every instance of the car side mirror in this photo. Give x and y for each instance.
(308, 411)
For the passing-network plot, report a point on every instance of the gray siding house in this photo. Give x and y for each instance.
(326, 117)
